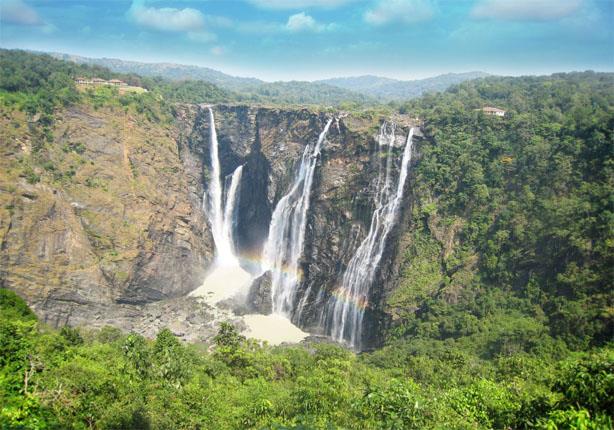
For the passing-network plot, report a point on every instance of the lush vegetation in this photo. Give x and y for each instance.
(244, 89)
(503, 316)
(108, 380)
(527, 202)
(39, 83)
(43, 82)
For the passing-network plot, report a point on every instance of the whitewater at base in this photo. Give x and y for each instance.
(223, 282)
(275, 329)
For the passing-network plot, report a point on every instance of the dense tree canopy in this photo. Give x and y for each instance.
(105, 379)
(531, 199)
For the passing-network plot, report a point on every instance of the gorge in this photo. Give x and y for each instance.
(282, 250)
(289, 197)
(343, 307)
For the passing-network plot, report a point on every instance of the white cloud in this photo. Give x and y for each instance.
(399, 11)
(303, 22)
(167, 18)
(201, 36)
(17, 12)
(299, 4)
(525, 10)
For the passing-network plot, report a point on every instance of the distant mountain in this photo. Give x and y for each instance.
(393, 89)
(294, 92)
(174, 72)
(362, 89)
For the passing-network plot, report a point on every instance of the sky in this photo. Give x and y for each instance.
(317, 39)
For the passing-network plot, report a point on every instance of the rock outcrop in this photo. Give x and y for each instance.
(107, 213)
(259, 299)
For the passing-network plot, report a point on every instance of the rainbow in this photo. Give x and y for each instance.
(342, 294)
(255, 261)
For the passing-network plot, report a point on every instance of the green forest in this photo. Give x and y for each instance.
(504, 314)
(68, 378)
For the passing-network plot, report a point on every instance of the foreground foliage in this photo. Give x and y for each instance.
(59, 379)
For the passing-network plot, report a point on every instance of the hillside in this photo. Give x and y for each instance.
(175, 72)
(327, 91)
(386, 89)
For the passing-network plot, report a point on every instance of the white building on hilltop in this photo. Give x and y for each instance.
(488, 110)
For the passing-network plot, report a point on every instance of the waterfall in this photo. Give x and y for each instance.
(346, 307)
(225, 277)
(230, 213)
(284, 244)
(221, 217)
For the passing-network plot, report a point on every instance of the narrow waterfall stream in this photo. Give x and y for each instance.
(228, 252)
(284, 245)
(212, 198)
(226, 277)
(346, 307)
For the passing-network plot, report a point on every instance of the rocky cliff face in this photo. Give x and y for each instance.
(108, 213)
(105, 226)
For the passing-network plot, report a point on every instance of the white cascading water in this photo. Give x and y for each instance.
(225, 277)
(230, 212)
(284, 244)
(221, 217)
(346, 308)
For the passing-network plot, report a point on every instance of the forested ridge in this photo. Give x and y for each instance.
(30, 72)
(503, 317)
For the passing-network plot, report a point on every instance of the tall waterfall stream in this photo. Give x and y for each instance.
(284, 246)
(346, 307)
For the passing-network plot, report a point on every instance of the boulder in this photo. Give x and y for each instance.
(259, 298)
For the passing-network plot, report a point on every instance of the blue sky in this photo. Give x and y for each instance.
(313, 39)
